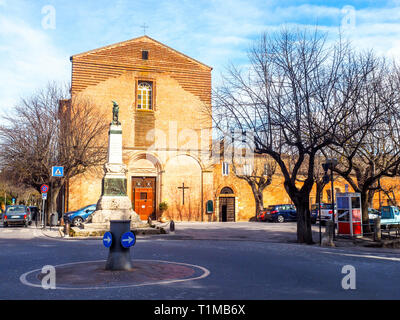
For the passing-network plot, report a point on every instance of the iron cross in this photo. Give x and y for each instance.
(144, 26)
(183, 192)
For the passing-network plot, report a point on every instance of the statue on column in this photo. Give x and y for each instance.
(115, 114)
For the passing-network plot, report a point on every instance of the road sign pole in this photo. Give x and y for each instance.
(119, 256)
(42, 215)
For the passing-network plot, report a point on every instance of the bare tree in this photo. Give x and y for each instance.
(374, 152)
(48, 130)
(296, 94)
(389, 192)
(258, 174)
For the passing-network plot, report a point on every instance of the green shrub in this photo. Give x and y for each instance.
(163, 206)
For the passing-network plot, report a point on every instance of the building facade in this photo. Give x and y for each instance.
(164, 99)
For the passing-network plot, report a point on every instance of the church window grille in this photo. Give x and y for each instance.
(144, 98)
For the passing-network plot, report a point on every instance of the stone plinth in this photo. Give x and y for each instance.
(114, 204)
(115, 144)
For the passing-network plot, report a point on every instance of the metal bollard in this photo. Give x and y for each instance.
(67, 227)
(172, 226)
(377, 229)
(118, 256)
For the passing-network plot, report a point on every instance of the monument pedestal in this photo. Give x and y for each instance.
(114, 204)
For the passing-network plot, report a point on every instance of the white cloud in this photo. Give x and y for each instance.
(28, 61)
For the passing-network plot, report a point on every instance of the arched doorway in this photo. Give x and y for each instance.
(145, 171)
(227, 205)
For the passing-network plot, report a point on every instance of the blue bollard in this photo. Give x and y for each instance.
(119, 256)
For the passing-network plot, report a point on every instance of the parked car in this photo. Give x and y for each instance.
(261, 214)
(390, 215)
(76, 218)
(280, 213)
(17, 215)
(373, 214)
(326, 211)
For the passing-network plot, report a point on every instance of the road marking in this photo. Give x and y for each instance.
(206, 273)
(364, 256)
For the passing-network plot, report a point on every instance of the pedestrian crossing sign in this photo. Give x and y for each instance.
(57, 172)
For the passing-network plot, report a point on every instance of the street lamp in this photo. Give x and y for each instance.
(330, 163)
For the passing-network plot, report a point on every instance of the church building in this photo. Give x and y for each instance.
(163, 97)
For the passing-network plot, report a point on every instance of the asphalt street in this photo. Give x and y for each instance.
(238, 270)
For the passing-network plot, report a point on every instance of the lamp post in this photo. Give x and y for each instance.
(331, 163)
(379, 186)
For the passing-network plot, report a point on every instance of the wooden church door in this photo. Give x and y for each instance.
(144, 197)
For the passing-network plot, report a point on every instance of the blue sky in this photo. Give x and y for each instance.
(38, 37)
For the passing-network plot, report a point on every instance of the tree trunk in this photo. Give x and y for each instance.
(304, 232)
(52, 201)
(364, 208)
(258, 196)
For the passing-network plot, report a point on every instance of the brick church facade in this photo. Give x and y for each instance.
(163, 96)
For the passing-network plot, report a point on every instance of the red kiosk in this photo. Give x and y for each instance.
(349, 218)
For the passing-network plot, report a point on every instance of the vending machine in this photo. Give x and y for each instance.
(349, 217)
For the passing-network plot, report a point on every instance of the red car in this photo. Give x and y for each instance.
(261, 215)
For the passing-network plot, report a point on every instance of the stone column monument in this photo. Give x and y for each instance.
(114, 203)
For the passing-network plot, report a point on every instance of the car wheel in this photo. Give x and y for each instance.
(77, 221)
(280, 219)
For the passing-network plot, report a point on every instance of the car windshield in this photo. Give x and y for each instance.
(16, 209)
(386, 213)
(323, 206)
(90, 208)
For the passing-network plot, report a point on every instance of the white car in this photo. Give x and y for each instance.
(326, 211)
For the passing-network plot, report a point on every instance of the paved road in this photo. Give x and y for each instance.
(241, 269)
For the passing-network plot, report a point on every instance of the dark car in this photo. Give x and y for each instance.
(280, 213)
(17, 215)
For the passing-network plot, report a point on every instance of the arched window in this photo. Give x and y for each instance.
(226, 190)
(145, 90)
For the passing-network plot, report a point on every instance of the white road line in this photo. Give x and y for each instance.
(206, 273)
(363, 256)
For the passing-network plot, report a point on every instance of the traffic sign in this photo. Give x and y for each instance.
(44, 188)
(107, 239)
(128, 239)
(57, 171)
(44, 196)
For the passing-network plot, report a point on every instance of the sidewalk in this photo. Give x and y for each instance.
(245, 231)
(250, 231)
